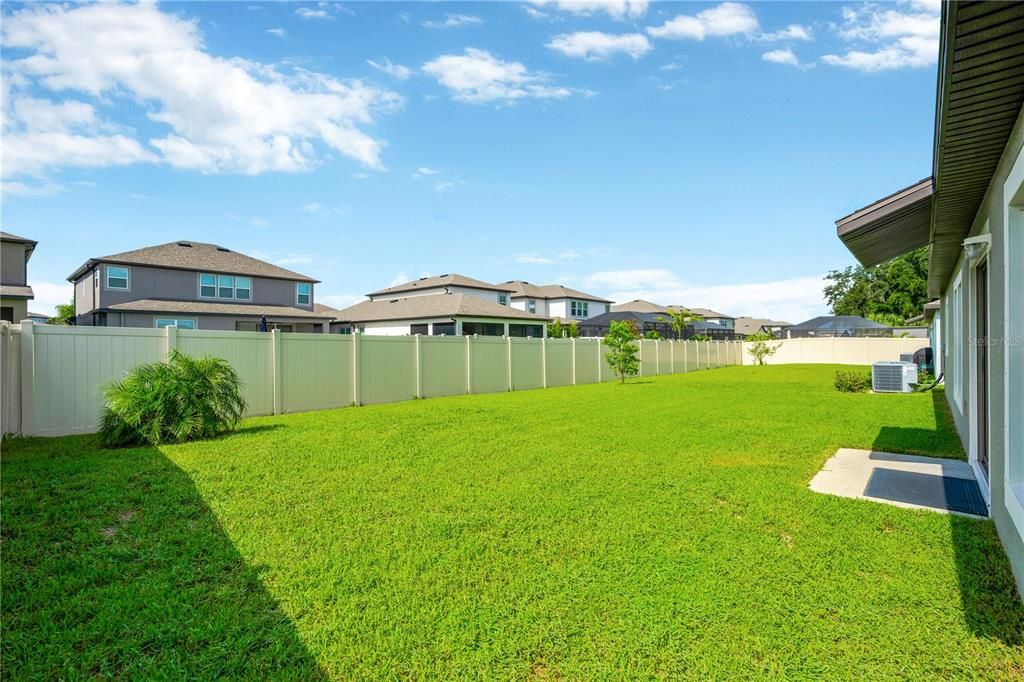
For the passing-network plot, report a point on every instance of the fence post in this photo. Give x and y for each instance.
(275, 343)
(640, 365)
(672, 356)
(469, 364)
(600, 362)
(419, 367)
(508, 340)
(544, 362)
(573, 345)
(356, 337)
(718, 354)
(28, 378)
(170, 340)
(657, 357)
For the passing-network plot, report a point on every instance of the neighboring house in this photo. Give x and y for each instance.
(38, 318)
(437, 314)
(555, 300)
(830, 326)
(15, 293)
(970, 213)
(193, 285)
(653, 322)
(446, 284)
(745, 326)
(721, 319)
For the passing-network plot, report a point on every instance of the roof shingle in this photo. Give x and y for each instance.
(431, 306)
(154, 305)
(439, 281)
(547, 291)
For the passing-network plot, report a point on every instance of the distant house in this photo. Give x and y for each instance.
(721, 319)
(192, 285)
(556, 301)
(638, 305)
(38, 318)
(830, 326)
(653, 322)
(15, 293)
(745, 326)
(446, 284)
(437, 314)
(641, 306)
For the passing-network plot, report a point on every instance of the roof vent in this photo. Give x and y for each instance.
(221, 248)
(185, 244)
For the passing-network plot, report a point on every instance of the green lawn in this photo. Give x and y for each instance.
(658, 529)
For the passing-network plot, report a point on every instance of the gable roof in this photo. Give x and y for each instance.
(705, 312)
(437, 281)
(187, 255)
(639, 306)
(430, 306)
(524, 289)
(8, 237)
(155, 305)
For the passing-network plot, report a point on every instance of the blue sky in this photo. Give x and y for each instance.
(691, 153)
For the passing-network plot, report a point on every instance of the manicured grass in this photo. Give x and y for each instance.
(659, 529)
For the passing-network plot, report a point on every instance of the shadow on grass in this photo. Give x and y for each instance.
(114, 566)
(991, 605)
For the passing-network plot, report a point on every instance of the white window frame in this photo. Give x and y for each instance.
(578, 305)
(127, 278)
(531, 306)
(176, 321)
(216, 287)
(1013, 331)
(502, 299)
(308, 303)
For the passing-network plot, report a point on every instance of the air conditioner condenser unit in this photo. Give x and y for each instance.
(893, 376)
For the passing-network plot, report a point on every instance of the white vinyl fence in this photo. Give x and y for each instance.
(841, 351)
(53, 376)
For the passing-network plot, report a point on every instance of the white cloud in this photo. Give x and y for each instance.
(478, 76)
(49, 294)
(443, 185)
(339, 301)
(784, 56)
(399, 278)
(318, 209)
(222, 115)
(793, 300)
(454, 21)
(619, 10)
(396, 71)
(322, 10)
(729, 18)
(886, 39)
(548, 259)
(597, 46)
(791, 32)
(21, 189)
(279, 32)
(312, 207)
(294, 259)
(671, 66)
(424, 170)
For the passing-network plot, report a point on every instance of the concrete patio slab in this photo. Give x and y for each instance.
(911, 481)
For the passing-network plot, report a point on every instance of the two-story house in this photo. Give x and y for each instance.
(15, 293)
(192, 285)
(450, 305)
(555, 300)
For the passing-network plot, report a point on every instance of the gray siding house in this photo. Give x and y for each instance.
(970, 213)
(192, 285)
(15, 293)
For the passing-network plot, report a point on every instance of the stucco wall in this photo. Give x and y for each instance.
(12, 263)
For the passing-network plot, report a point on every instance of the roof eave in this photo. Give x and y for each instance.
(890, 227)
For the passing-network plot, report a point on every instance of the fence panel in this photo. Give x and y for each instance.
(607, 371)
(840, 351)
(443, 362)
(559, 362)
(71, 365)
(387, 368)
(316, 371)
(527, 364)
(703, 354)
(250, 353)
(10, 378)
(588, 361)
(664, 356)
(489, 356)
(648, 358)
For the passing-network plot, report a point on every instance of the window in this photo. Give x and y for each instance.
(503, 299)
(303, 293)
(444, 329)
(7, 313)
(245, 326)
(418, 328)
(526, 330)
(577, 308)
(483, 329)
(225, 286)
(531, 306)
(243, 288)
(207, 285)
(117, 277)
(162, 322)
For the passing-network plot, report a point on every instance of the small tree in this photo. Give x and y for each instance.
(652, 335)
(679, 318)
(572, 330)
(762, 348)
(622, 355)
(556, 329)
(65, 313)
(700, 337)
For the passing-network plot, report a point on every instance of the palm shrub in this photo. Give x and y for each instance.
(182, 399)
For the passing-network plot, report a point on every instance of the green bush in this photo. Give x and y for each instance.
(852, 381)
(182, 399)
(925, 378)
(652, 335)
